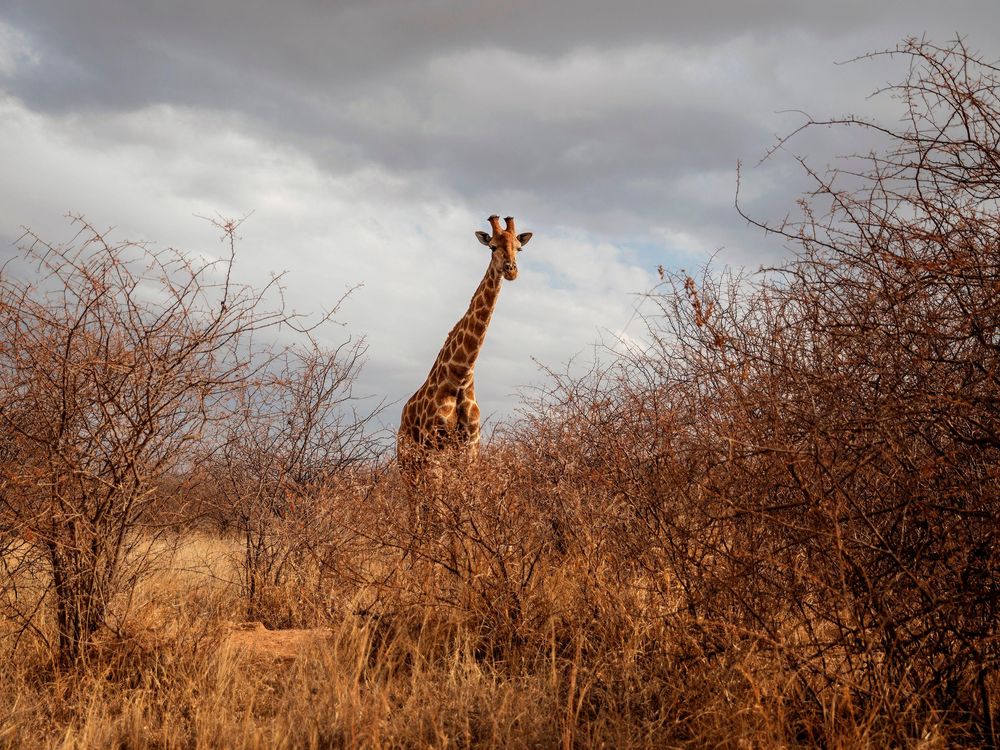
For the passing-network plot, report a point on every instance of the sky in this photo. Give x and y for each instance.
(369, 139)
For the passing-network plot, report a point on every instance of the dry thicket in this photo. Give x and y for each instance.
(774, 526)
(295, 433)
(118, 364)
(808, 457)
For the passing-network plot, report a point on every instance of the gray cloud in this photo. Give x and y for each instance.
(567, 101)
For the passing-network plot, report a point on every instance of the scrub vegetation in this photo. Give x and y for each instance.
(774, 524)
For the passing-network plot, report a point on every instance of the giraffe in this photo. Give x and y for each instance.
(443, 413)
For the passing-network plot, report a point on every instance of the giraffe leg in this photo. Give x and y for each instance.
(468, 417)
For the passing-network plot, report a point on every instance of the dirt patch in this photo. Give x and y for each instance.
(254, 640)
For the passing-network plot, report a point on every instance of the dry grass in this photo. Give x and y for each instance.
(184, 678)
(599, 662)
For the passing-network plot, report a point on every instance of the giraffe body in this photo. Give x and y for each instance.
(443, 414)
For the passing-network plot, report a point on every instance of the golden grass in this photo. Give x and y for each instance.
(184, 674)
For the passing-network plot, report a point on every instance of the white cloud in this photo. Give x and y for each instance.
(149, 171)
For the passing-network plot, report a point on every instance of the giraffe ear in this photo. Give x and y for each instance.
(523, 238)
(484, 238)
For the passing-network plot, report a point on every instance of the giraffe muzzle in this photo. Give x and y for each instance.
(510, 271)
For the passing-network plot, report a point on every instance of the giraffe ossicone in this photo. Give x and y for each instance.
(443, 414)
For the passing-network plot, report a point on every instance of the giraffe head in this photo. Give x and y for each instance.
(504, 244)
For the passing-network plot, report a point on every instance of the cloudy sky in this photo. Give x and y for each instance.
(371, 138)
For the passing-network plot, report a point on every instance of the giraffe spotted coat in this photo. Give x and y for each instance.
(443, 413)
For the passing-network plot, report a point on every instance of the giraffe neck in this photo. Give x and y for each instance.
(461, 348)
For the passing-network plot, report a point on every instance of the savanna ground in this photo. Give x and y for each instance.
(774, 526)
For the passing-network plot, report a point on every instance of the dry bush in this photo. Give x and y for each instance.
(295, 435)
(465, 540)
(807, 459)
(115, 361)
(885, 367)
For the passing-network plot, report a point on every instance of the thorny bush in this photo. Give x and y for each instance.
(810, 456)
(118, 364)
